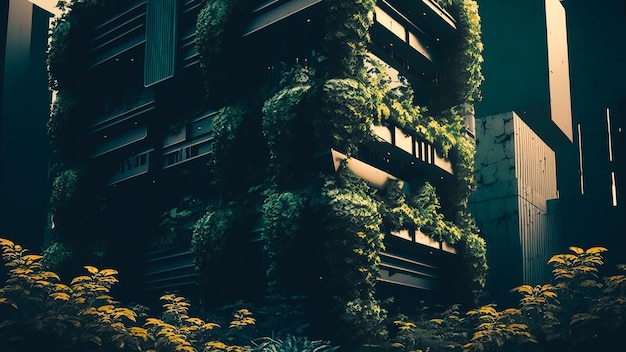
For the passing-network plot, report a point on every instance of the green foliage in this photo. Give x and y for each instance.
(177, 223)
(353, 255)
(495, 329)
(474, 251)
(286, 127)
(287, 239)
(216, 242)
(430, 331)
(346, 36)
(461, 75)
(56, 255)
(218, 32)
(238, 149)
(345, 114)
(293, 343)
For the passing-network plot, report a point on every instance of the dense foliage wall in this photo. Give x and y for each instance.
(323, 232)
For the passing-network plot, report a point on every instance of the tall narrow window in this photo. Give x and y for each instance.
(610, 137)
(613, 189)
(580, 160)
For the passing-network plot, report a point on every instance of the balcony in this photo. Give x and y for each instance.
(169, 269)
(118, 34)
(272, 12)
(189, 142)
(133, 166)
(411, 264)
(187, 54)
(426, 15)
(118, 112)
(107, 142)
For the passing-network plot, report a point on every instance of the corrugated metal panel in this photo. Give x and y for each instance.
(161, 35)
(535, 166)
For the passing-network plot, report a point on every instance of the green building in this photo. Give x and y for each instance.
(292, 147)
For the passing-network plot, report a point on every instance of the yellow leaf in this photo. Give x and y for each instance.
(60, 295)
(50, 274)
(185, 348)
(209, 326)
(527, 289)
(215, 344)
(7, 301)
(91, 269)
(106, 308)
(32, 257)
(195, 321)
(6, 243)
(80, 279)
(594, 250)
(576, 250)
(139, 332)
(108, 272)
(125, 312)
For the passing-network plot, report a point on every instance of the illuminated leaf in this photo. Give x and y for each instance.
(594, 250)
(527, 289)
(32, 257)
(576, 250)
(79, 279)
(60, 295)
(91, 269)
(108, 272)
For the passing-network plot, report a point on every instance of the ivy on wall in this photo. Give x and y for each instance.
(335, 105)
(262, 152)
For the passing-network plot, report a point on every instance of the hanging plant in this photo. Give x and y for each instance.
(461, 73)
(218, 41)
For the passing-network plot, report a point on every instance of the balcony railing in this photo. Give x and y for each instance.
(169, 269)
(192, 141)
(410, 150)
(133, 166)
(415, 265)
(141, 103)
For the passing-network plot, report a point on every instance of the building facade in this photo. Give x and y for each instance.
(312, 147)
(25, 107)
(525, 133)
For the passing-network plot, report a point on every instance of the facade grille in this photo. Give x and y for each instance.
(161, 35)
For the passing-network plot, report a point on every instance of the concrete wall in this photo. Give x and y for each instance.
(526, 65)
(516, 176)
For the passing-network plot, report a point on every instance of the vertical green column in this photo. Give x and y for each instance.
(161, 23)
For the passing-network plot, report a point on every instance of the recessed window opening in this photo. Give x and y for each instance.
(580, 159)
(610, 137)
(613, 189)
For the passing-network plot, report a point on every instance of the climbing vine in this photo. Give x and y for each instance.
(263, 159)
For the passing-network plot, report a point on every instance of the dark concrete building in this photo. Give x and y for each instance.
(24, 111)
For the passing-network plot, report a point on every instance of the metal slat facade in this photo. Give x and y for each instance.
(161, 36)
(535, 169)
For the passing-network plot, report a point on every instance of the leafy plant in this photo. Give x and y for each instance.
(496, 329)
(292, 343)
(83, 316)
